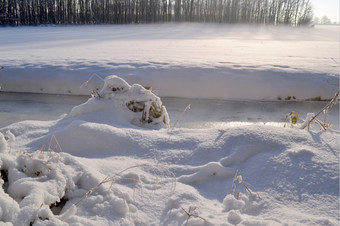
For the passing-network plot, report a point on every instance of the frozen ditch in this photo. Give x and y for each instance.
(183, 112)
(186, 170)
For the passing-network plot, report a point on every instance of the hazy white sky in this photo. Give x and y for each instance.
(328, 8)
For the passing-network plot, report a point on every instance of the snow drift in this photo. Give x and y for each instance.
(293, 175)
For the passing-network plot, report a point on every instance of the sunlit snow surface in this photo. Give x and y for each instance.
(182, 175)
(240, 62)
(157, 175)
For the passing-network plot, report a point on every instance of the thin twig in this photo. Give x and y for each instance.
(87, 81)
(188, 107)
(112, 179)
(335, 98)
(233, 187)
(57, 144)
(41, 150)
(192, 214)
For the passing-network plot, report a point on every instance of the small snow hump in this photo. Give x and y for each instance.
(113, 84)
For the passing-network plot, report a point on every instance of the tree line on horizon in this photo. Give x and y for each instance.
(37, 12)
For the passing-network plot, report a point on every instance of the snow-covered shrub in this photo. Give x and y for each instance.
(35, 164)
(30, 185)
(140, 105)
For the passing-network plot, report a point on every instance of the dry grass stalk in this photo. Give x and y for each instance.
(233, 187)
(324, 110)
(192, 213)
(53, 137)
(91, 77)
(238, 178)
(188, 107)
(113, 178)
(42, 149)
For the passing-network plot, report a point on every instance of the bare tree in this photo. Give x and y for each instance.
(34, 12)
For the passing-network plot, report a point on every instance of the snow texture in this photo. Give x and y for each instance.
(168, 176)
(101, 164)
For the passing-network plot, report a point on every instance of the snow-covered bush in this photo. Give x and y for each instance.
(140, 106)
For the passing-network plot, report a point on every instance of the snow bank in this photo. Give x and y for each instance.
(89, 167)
(189, 60)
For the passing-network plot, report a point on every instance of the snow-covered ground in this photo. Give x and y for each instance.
(264, 62)
(194, 170)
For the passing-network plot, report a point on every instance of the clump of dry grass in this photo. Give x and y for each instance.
(239, 180)
(313, 118)
(293, 117)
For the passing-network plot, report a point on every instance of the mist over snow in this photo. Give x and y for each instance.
(123, 157)
(176, 60)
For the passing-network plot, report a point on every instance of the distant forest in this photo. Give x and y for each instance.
(36, 12)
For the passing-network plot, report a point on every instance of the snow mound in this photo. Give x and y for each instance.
(293, 173)
(133, 104)
(50, 188)
(212, 170)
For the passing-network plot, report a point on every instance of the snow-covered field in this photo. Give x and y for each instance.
(264, 62)
(219, 161)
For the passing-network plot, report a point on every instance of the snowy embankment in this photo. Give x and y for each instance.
(177, 60)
